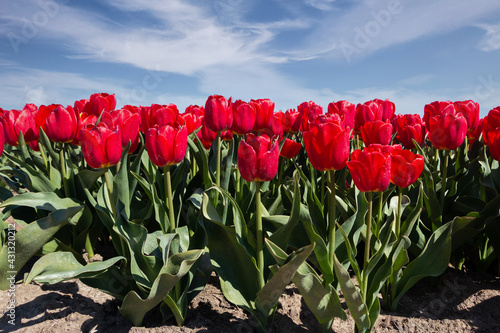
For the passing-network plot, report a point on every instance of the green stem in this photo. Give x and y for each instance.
(322, 193)
(379, 215)
(367, 240)
(219, 145)
(44, 158)
(398, 216)
(63, 169)
(259, 235)
(444, 175)
(175, 310)
(332, 212)
(168, 191)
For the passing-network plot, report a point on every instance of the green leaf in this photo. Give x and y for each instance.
(352, 296)
(431, 262)
(30, 239)
(134, 307)
(61, 266)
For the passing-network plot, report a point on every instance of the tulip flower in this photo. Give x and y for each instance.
(218, 113)
(327, 145)
(306, 110)
(376, 131)
(291, 121)
(264, 109)
(160, 115)
(346, 111)
(101, 146)
(166, 145)
(490, 123)
(373, 110)
(2, 139)
(98, 103)
(290, 149)
(370, 170)
(470, 111)
(244, 116)
(258, 158)
(435, 109)
(275, 127)
(16, 122)
(447, 131)
(61, 125)
(129, 124)
(410, 127)
(193, 117)
(406, 167)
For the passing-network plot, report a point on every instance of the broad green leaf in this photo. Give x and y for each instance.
(134, 307)
(30, 239)
(61, 266)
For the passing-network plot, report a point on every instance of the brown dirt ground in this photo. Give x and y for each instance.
(455, 302)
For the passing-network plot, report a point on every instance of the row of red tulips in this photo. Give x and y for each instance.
(104, 131)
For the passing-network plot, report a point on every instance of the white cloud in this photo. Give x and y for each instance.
(491, 40)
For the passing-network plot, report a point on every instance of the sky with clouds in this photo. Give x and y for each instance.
(291, 51)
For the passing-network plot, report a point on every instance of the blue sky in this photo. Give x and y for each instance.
(291, 51)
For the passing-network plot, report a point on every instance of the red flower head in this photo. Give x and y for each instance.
(410, 127)
(447, 130)
(258, 158)
(98, 103)
(376, 131)
(346, 111)
(193, 117)
(244, 116)
(160, 115)
(218, 113)
(264, 109)
(435, 109)
(406, 167)
(306, 110)
(291, 121)
(327, 145)
(370, 169)
(490, 123)
(16, 122)
(166, 145)
(290, 148)
(2, 139)
(61, 124)
(275, 128)
(470, 110)
(206, 136)
(101, 146)
(129, 124)
(373, 110)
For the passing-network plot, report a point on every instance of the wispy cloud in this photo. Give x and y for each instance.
(491, 40)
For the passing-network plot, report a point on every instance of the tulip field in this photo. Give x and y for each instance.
(353, 205)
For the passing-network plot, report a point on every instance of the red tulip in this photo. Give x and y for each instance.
(160, 115)
(470, 111)
(494, 143)
(218, 113)
(406, 167)
(370, 170)
(327, 145)
(346, 111)
(290, 148)
(447, 131)
(275, 128)
(264, 109)
(2, 139)
(376, 131)
(99, 103)
(258, 158)
(474, 136)
(435, 109)
(193, 117)
(129, 124)
(101, 146)
(408, 128)
(16, 122)
(306, 110)
(490, 123)
(373, 110)
(291, 121)
(166, 145)
(244, 115)
(61, 125)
